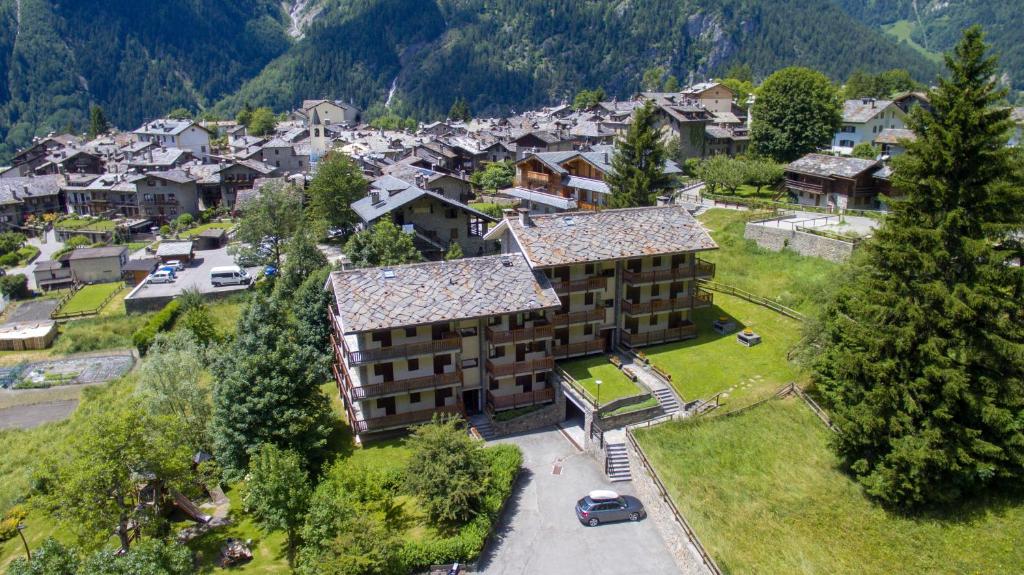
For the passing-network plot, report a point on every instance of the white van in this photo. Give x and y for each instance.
(229, 276)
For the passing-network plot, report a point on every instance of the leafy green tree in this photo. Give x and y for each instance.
(454, 252)
(93, 484)
(919, 354)
(171, 384)
(244, 116)
(150, 557)
(271, 218)
(722, 172)
(184, 221)
(653, 79)
(796, 112)
(638, 173)
(303, 258)
(309, 304)
(98, 124)
(180, 114)
(587, 99)
(384, 244)
(742, 89)
(447, 471)
(11, 242)
(277, 493)
(861, 84)
(763, 172)
(459, 111)
(266, 392)
(495, 176)
(14, 286)
(50, 558)
(338, 183)
(262, 122)
(866, 151)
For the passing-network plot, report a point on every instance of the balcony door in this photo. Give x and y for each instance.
(440, 362)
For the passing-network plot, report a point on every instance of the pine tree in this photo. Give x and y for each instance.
(460, 111)
(265, 391)
(920, 352)
(638, 173)
(98, 124)
(309, 304)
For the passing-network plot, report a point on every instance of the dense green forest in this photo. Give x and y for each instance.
(936, 25)
(141, 58)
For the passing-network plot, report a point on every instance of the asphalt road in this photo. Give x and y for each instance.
(539, 532)
(196, 275)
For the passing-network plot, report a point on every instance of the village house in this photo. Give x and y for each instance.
(434, 221)
(322, 118)
(539, 141)
(834, 182)
(683, 119)
(716, 97)
(21, 197)
(417, 340)
(26, 161)
(863, 120)
(82, 265)
(184, 134)
(893, 141)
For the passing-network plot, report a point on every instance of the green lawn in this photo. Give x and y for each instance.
(764, 494)
(26, 253)
(799, 282)
(901, 30)
(269, 553)
(614, 384)
(90, 297)
(85, 224)
(712, 363)
(203, 227)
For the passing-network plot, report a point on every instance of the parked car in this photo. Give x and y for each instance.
(604, 506)
(160, 277)
(176, 264)
(229, 275)
(169, 270)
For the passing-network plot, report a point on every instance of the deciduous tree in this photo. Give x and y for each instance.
(271, 218)
(338, 183)
(277, 493)
(384, 244)
(447, 470)
(171, 384)
(303, 258)
(796, 112)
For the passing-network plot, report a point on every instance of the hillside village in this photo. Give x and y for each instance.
(335, 346)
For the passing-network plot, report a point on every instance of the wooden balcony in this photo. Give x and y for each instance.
(520, 367)
(537, 332)
(660, 336)
(703, 269)
(409, 385)
(578, 348)
(541, 178)
(399, 420)
(588, 284)
(801, 186)
(448, 343)
(587, 206)
(502, 402)
(700, 300)
(574, 317)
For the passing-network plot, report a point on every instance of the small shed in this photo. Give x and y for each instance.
(27, 335)
(211, 239)
(181, 251)
(135, 271)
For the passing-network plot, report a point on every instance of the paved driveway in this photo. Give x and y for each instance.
(196, 275)
(539, 532)
(46, 250)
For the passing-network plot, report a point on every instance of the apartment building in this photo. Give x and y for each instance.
(863, 120)
(441, 337)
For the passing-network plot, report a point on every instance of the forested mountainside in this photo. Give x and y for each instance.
(142, 58)
(936, 25)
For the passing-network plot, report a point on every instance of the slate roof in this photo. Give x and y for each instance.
(863, 109)
(167, 127)
(14, 190)
(587, 184)
(439, 291)
(541, 198)
(94, 253)
(579, 237)
(395, 193)
(895, 136)
(826, 166)
(167, 249)
(140, 265)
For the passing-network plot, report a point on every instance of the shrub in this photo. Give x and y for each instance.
(9, 524)
(9, 259)
(184, 221)
(161, 321)
(14, 286)
(165, 230)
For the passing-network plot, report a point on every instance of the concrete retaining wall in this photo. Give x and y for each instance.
(543, 417)
(803, 243)
(624, 419)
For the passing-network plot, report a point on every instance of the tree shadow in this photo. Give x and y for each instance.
(503, 526)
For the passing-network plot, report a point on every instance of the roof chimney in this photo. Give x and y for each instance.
(524, 217)
(664, 200)
(374, 197)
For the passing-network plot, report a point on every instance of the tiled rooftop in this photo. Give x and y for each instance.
(561, 239)
(824, 165)
(370, 299)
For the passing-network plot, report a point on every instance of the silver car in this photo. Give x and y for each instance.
(607, 506)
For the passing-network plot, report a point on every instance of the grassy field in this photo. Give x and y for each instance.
(203, 227)
(799, 282)
(901, 30)
(85, 224)
(614, 384)
(765, 495)
(90, 297)
(712, 362)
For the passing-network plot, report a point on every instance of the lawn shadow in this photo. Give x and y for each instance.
(504, 527)
(207, 547)
(974, 508)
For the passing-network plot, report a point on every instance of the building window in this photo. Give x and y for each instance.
(414, 397)
(498, 351)
(588, 269)
(846, 143)
(654, 320)
(410, 332)
(588, 298)
(588, 329)
(493, 385)
(657, 261)
(414, 364)
(451, 213)
(655, 290)
(848, 130)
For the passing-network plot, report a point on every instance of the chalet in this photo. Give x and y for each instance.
(26, 161)
(537, 141)
(184, 134)
(835, 183)
(82, 265)
(434, 221)
(715, 97)
(893, 141)
(863, 120)
(71, 161)
(21, 197)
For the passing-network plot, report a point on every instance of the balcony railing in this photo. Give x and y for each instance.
(701, 300)
(684, 272)
(520, 367)
(537, 177)
(589, 207)
(588, 284)
(408, 385)
(537, 332)
(498, 403)
(660, 336)
(574, 317)
(804, 186)
(402, 419)
(449, 343)
(578, 348)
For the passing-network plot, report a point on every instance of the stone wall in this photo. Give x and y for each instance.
(660, 512)
(624, 419)
(543, 417)
(803, 243)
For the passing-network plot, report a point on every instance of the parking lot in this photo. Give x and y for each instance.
(539, 532)
(196, 275)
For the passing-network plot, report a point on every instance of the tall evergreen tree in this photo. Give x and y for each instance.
(98, 124)
(921, 354)
(638, 173)
(265, 391)
(796, 112)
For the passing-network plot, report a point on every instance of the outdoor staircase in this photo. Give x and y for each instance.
(483, 425)
(616, 464)
(668, 400)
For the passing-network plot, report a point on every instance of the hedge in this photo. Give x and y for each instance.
(466, 545)
(161, 321)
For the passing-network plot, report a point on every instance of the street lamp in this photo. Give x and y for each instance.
(597, 382)
(20, 528)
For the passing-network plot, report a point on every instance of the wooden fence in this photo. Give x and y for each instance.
(57, 314)
(753, 298)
